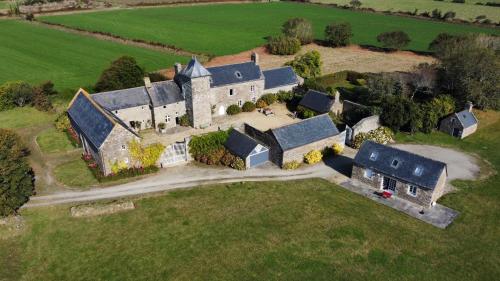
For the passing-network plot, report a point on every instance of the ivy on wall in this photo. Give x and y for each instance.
(146, 155)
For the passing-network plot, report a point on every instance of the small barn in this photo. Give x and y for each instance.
(460, 124)
(317, 101)
(247, 148)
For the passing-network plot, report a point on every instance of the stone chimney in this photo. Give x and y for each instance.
(177, 68)
(468, 106)
(255, 58)
(337, 97)
(147, 82)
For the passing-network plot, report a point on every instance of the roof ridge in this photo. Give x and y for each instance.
(280, 67)
(405, 151)
(304, 120)
(230, 64)
(94, 103)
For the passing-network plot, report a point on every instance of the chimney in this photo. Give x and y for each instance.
(337, 97)
(255, 58)
(468, 106)
(147, 82)
(177, 68)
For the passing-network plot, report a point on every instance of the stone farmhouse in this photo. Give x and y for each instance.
(460, 124)
(106, 122)
(406, 175)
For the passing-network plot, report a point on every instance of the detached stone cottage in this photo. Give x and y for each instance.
(460, 124)
(409, 176)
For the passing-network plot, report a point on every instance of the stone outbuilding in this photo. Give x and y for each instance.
(318, 102)
(250, 150)
(290, 143)
(460, 124)
(406, 175)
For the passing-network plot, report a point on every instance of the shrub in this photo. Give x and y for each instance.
(14, 94)
(261, 104)
(292, 165)
(394, 39)
(307, 65)
(227, 159)
(146, 156)
(162, 126)
(202, 145)
(117, 166)
(305, 113)
(355, 4)
(338, 34)
(381, 135)
(313, 157)
(269, 98)
(449, 15)
(233, 109)
(283, 45)
(123, 73)
(337, 148)
(458, 1)
(284, 96)
(40, 100)
(184, 120)
(299, 28)
(215, 156)
(248, 106)
(62, 122)
(238, 164)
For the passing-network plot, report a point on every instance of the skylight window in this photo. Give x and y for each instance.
(374, 156)
(238, 74)
(395, 163)
(418, 171)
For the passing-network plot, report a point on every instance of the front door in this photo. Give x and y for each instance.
(390, 184)
(457, 132)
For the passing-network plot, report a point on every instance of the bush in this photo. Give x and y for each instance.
(284, 96)
(269, 98)
(292, 165)
(184, 120)
(458, 1)
(355, 4)
(307, 65)
(15, 94)
(202, 145)
(62, 122)
(145, 155)
(248, 106)
(299, 28)
(381, 135)
(162, 126)
(261, 104)
(305, 113)
(123, 73)
(338, 34)
(337, 148)
(313, 157)
(394, 39)
(238, 164)
(233, 109)
(283, 45)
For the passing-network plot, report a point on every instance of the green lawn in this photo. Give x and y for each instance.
(35, 54)
(232, 28)
(301, 230)
(52, 140)
(467, 11)
(24, 117)
(4, 5)
(75, 174)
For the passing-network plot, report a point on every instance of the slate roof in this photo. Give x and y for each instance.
(120, 99)
(92, 121)
(317, 101)
(466, 118)
(165, 92)
(305, 132)
(405, 170)
(234, 73)
(279, 77)
(240, 144)
(194, 69)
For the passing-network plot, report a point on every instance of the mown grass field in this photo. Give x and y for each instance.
(466, 11)
(52, 140)
(35, 54)
(232, 28)
(301, 230)
(75, 174)
(24, 117)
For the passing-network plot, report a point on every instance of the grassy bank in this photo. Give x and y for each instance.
(232, 28)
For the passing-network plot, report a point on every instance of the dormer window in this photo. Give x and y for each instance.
(418, 171)
(374, 156)
(395, 163)
(238, 75)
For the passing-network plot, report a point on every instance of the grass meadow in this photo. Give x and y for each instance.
(299, 230)
(232, 28)
(23, 117)
(466, 11)
(35, 54)
(52, 141)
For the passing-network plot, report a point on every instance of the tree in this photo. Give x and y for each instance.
(338, 34)
(422, 81)
(17, 178)
(381, 85)
(393, 39)
(355, 4)
(399, 113)
(283, 45)
(123, 73)
(14, 94)
(307, 65)
(299, 28)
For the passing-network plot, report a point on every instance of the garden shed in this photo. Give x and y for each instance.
(248, 149)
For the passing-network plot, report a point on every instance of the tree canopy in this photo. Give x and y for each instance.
(123, 73)
(307, 65)
(299, 28)
(338, 34)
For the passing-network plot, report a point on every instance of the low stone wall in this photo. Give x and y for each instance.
(98, 209)
(365, 125)
(297, 154)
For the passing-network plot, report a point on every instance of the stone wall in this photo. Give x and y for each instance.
(115, 148)
(365, 125)
(297, 154)
(173, 110)
(139, 113)
(221, 100)
(424, 197)
(197, 93)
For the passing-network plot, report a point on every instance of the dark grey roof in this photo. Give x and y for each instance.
(240, 144)
(279, 77)
(120, 99)
(305, 132)
(194, 69)
(405, 170)
(466, 118)
(317, 101)
(234, 73)
(93, 123)
(165, 92)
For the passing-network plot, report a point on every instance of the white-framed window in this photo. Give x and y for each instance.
(374, 155)
(252, 88)
(412, 190)
(240, 103)
(167, 119)
(123, 147)
(231, 92)
(368, 174)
